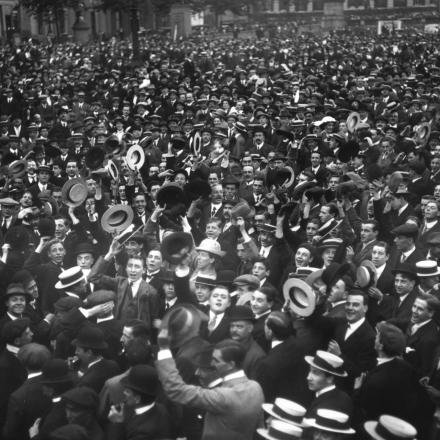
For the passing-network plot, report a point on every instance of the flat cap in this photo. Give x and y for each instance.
(247, 280)
(100, 297)
(407, 229)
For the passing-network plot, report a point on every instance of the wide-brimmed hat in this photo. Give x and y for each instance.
(113, 169)
(407, 230)
(302, 299)
(211, 282)
(285, 410)
(390, 428)
(176, 246)
(17, 168)
(143, 379)
(347, 151)
(328, 362)
(69, 277)
(8, 201)
(366, 274)
(90, 337)
(55, 371)
(427, 268)
(211, 246)
(74, 192)
(352, 121)
(117, 218)
(279, 430)
(331, 421)
(85, 248)
(135, 157)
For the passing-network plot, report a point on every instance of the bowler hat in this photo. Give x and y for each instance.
(167, 276)
(205, 281)
(46, 227)
(170, 194)
(84, 248)
(14, 289)
(211, 246)
(241, 313)
(225, 278)
(82, 396)
(67, 303)
(74, 192)
(328, 362)
(143, 379)
(90, 337)
(196, 188)
(117, 218)
(94, 158)
(56, 371)
(176, 246)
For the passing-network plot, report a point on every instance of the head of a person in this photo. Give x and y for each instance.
(339, 290)
(424, 308)
(228, 357)
(380, 253)
(26, 279)
(154, 260)
(262, 300)
(62, 226)
(318, 379)
(213, 228)
(219, 300)
(17, 332)
(404, 282)
(356, 306)
(266, 237)
(390, 340)
(72, 168)
(304, 255)
(203, 291)
(135, 267)
(241, 329)
(328, 212)
(278, 326)
(134, 329)
(312, 228)
(261, 268)
(33, 356)
(369, 231)
(56, 251)
(217, 193)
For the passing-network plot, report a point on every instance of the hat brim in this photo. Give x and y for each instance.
(60, 285)
(309, 360)
(27, 296)
(268, 408)
(125, 382)
(303, 305)
(370, 427)
(135, 157)
(81, 192)
(212, 251)
(366, 274)
(127, 217)
(312, 424)
(424, 275)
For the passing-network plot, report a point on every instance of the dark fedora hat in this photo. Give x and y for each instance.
(85, 248)
(225, 278)
(170, 194)
(167, 276)
(56, 371)
(241, 313)
(117, 218)
(74, 192)
(406, 269)
(196, 188)
(82, 396)
(176, 246)
(94, 158)
(114, 147)
(143, 379)
(90, 337)
(14, 289)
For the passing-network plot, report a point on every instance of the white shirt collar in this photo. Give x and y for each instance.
(235, 375)
(171, 302)
(263, 314)
(107, 318)
(94, 362)
(416, 327)
(13, 318)
(143, 409)
(403, 208)
(355, 325)
(408, 253)
(431, 224)
(12, 349)
(380, 269)
(381, 361)
(275, 343)
(34, 374)
(135, 286)
(325, 390)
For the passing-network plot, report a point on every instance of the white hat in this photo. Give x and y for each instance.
(285, 410)
(427, 268)
(333, 421)
(328, 362)
(69, 277)
(211, 246)
(390, 427)
(279, 430)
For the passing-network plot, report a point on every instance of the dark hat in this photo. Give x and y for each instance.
(433, 239)
(206, 281)
(90, 337)
(44, 168)
(247, 280)
(74, 192)
(407, 230)
(67, 303)
(82, 396)
(17, 168)
(267, 227)
(230, 180)
(196, 188)
(374, 171)
(100, 297)
(167, 276)
(225, 278)
(70, 431)
(46, 227)
(17, 289)
(143, 379)
(241, 313)
(84, 248)
(117, 218)
(17, 237)
(348, 151)
(56, 371)
(170, 194)
(406, 269)
(176, 246)
(94, 158)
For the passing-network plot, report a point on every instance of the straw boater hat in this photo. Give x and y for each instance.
(390, 428)
(279, 430)
(331, 421)
(285, 410)
(328, 362)
(69, 277)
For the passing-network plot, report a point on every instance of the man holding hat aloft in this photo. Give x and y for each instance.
(141, 416)
(325, 367)
(241, 325)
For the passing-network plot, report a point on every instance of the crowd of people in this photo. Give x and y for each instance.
(222, 240)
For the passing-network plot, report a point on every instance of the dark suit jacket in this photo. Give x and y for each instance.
(335, 399)
(95, 376)
(424, 343)
(385, 283)
(112, 330)
(395, 256)
(220, 332)
(402, 312)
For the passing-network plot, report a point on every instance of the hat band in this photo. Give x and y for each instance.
(331, 424)
(427, 271)
(322, 363)
(72, 278)
(279, 435)
(382, 431)
(285, 415)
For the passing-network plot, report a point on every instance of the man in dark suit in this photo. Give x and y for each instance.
(214, 208)
(405, 250)
(353, 338)
(423, 334)
(364, 249)
(405, 279)
(380, 257)
(90, 345)
(43, 184)
(8, 216)
(260, 146)
(15, 335)
(142, 416)
(154, 268)
(28, 402)
(430, 224)
(319, 170)
(325, 367)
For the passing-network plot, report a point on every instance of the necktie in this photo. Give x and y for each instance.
(403, 258)
(213, 211)
(211, 323)
(130, 288)
(347, 332)
(167, 306)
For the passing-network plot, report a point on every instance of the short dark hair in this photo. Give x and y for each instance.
(332, 209)
(136, 257)
(264, 261)
(232, 351)
(33, 356)
(14, 329)
(432, 301)
(385, 245)
(270, 292)
(372, 222)
(139, 328)
(392, 338)
(357, 292)
(138, 351)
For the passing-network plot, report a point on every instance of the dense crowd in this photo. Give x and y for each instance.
(225, 239)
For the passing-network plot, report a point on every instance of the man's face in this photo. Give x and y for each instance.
(315, 160)
(259, 303)
(85, 260)
(328, 255)
(43, 177)
(204, 259)
(355, 309)
(431, 211)
(133, 247)
(317, 379)
(259, 270)
(131, 399)
(240, 330)
(324, 214)
(368, 233)
(258, 187)
(91, 186)
(266, 238)
(154, 261)
(71, 169)
(203, 292)
(168, 290)
(32, 289)
(220, 365)
(213, 230)
(403, 243)
(259, 138)
(333, 182)
(56, 253)
(153, 192)
(403, 284)
(303, 257)
(16, 304)
(219, 300)
(60, 229)
(248, 173)
(127, 336)
(217, 194)
(213, 179)
(311, 230)
(230, 191)
(420, 311)
(379, 256)
(337, 292)
(134, 269)
(83, 355)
